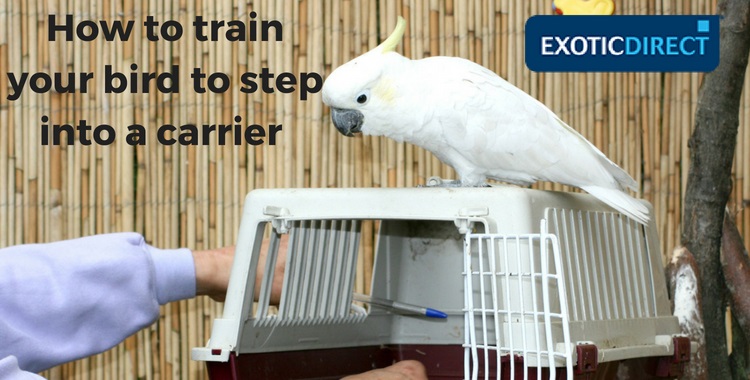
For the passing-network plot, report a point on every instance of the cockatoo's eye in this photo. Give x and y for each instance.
(362, 98)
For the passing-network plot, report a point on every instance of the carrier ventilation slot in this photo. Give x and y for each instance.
(608, 255)
(318, 277)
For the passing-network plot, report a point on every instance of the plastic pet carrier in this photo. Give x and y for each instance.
(533, 285)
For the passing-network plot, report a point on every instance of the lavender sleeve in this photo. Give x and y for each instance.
(66, 300)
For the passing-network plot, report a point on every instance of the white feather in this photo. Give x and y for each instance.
(620, 202)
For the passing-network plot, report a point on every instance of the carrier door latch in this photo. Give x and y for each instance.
(280, 221)
(467, 217)
(588, 360)
(673, 366)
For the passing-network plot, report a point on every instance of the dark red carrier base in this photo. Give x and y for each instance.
(441, 362)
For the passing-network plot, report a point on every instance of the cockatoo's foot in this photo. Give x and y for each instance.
(440, 182)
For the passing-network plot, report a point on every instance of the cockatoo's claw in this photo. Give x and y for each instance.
(440, 182)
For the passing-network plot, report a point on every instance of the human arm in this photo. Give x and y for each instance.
(66, 300)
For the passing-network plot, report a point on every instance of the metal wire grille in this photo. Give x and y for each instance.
(515, 306)
(318, 277)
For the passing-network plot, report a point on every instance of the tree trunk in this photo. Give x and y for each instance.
(712, 148)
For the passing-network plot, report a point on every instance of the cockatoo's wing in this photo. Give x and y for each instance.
(496, 130)
(502, 130)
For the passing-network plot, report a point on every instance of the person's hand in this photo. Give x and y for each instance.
(278, 271)
(403, 370)
(212, 268)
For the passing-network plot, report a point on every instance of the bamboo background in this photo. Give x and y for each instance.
(192, 196)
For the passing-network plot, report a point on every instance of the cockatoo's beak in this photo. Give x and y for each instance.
(348, 122)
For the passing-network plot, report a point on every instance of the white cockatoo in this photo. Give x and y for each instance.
(472, 120)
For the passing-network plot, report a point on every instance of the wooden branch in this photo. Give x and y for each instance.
(682, 274)
(736, 265)
(712, 146)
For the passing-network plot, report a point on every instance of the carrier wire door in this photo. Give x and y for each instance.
(515, 307)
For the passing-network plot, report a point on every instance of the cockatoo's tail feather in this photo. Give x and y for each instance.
(621, 202)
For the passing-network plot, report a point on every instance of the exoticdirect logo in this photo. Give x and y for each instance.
(622, 43)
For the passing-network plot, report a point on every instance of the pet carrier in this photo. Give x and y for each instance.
(533, 284)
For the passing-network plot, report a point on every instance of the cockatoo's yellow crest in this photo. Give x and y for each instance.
(392, 41)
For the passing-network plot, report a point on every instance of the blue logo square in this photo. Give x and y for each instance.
(703, 26)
